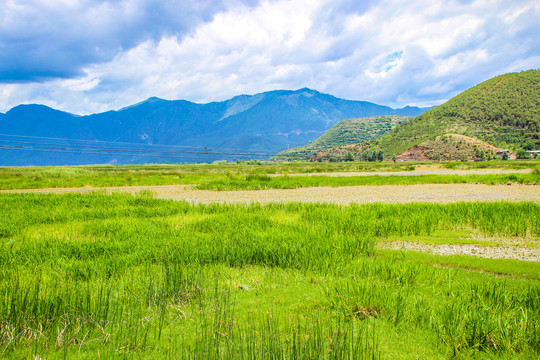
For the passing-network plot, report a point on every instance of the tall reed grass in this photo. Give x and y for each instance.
(112, 175)
(263, 182)
(138, 277)
(163, 174)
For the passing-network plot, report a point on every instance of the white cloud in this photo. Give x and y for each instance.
(392, 52)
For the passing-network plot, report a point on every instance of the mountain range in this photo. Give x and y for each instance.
(159, 131)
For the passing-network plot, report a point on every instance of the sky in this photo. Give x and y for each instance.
(88, 56)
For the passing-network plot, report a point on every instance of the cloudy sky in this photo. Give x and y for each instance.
(86, 56)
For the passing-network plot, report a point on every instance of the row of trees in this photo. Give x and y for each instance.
(352, 155)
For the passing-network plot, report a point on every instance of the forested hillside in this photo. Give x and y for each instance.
(346, 132)
(500, 113)
(503, 111)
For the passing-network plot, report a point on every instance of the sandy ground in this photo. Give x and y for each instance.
(420, 171)
(432, 193)
(492, 252)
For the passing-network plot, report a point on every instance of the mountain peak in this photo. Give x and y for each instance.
(306, 89)
(35, 109)
(154, 99)
(150, 101)
(31, 106)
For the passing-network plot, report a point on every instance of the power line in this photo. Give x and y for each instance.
(46, 145)
(234, 151)
(39, 138)
(106, 148)
(83, 152)
(201, 157)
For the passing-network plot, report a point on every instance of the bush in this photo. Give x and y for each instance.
(522, 154)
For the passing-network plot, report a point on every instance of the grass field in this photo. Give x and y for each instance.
(102, 176)
(119, 276)
(263, 182)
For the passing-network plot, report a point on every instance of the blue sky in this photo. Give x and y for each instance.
(86, 56)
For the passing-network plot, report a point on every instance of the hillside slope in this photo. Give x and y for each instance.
(503, 111)
(264, 123)
(346, 132)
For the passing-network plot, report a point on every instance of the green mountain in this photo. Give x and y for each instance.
(346, 132)
(503, 111)
(500, 113)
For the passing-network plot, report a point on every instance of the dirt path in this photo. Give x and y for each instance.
(418, 172)
(433, 193)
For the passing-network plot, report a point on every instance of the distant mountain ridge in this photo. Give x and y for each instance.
(265, 123)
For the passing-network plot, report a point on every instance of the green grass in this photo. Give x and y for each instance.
(101, 176)
(502, 164)
(83, 276)
(139, 175)
(262, 182)
(504, 267)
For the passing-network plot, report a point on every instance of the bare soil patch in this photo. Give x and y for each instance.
(431, 193)
(418, 172)
(450, 147)
(492, 252)
(416, 153)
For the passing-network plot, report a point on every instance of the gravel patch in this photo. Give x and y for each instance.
(419, 172)
(431, 193)
(492, 252)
